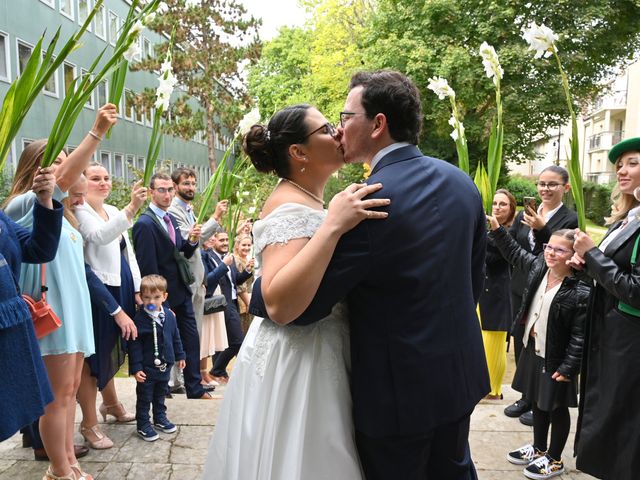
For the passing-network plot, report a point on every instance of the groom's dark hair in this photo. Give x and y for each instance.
(394, 95)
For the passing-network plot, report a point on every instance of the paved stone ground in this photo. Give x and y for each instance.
(180, 456)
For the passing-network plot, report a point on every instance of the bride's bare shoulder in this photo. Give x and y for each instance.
(280, 196)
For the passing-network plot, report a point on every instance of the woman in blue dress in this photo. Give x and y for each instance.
(63, 350)
(25, 387)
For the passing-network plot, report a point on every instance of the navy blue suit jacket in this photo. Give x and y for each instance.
(154, 253)
(141, 350)
(216, 274)
(412, 282)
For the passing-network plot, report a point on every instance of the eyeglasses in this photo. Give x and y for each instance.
(344, 116)
(189, 184)
(164, 190)
(327, 128)
(556, 250)
(550, 185)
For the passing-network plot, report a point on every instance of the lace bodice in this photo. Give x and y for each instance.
(287, 222)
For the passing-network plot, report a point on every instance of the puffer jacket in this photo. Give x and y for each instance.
(567, 313)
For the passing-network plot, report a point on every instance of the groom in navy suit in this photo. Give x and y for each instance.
(412, 283)
(156, 235)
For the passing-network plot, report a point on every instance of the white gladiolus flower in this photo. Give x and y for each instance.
(166, 66)
(162, 8)
(458, 129)
(245, 193)
(251, 210)
(491, 62)
(441, 87)
(136, 28)
(149, 18)
(162, 102)
(166, 83)
(453, 121)
(541, 39)
(133, 51)
(248, 121)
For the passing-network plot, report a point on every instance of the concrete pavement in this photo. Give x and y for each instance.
(180, 456)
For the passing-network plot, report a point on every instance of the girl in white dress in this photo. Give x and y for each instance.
(287, 409)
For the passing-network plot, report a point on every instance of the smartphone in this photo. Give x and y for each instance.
(529, 202)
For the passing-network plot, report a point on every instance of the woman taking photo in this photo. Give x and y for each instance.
(495, 302)
(241, 255)
(607, 440)
(64, 349)
(109, 253)
(531, 229)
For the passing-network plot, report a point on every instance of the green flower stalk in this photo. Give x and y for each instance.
(77, 97)
(542, 39)
(26, 88)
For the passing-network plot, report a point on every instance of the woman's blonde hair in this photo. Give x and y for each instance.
(621, 203)
(238, 241)
(30, 160)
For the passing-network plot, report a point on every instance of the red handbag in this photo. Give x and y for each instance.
(44, 318)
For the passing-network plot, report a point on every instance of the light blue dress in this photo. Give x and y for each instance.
(67, 292)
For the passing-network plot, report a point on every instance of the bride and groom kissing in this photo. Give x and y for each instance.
(366, 358)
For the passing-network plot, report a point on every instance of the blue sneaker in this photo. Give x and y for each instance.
(148, 434)
(164, 425)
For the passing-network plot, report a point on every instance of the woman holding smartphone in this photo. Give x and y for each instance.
(531, 229)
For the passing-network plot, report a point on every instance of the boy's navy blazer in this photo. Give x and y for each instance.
(412, 282)
(141, 352)
(154, 252)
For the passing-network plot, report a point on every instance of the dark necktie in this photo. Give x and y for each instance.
(170, 230)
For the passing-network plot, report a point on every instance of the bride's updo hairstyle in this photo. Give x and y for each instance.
(268, 146)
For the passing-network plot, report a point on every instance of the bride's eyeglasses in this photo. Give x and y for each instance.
(327, 128)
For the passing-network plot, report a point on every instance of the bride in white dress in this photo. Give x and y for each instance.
(286, 414)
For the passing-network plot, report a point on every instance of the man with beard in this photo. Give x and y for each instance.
(185, 183)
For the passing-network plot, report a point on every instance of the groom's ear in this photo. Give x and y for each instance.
(380, 125)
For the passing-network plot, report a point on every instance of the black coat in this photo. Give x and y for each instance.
(563, 218)
(608, 437)
(495, 301)
(567, 312)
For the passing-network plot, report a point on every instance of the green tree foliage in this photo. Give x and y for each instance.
(214, 40)
(442, 37)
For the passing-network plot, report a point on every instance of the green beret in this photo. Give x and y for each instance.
(628, 145)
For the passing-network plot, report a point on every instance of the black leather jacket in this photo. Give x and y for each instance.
(567, 313)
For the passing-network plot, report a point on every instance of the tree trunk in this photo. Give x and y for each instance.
(211, 149)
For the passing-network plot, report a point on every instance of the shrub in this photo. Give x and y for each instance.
(521, 187)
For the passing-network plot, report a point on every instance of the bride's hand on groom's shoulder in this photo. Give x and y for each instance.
(350, 207)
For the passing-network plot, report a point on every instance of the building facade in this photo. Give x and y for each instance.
(610, 118)
(21, 25)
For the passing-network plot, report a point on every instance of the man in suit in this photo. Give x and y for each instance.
(412, 283)
(156, 236)
(531, 229)
(221, 270)
(185, 184)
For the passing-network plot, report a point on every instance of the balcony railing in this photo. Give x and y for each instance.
(605, 140)
(617, 99)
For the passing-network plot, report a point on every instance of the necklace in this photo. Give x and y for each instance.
(302, 189)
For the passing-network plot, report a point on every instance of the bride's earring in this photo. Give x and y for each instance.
(303, 168)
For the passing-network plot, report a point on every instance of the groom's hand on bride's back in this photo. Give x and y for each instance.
(349, 207)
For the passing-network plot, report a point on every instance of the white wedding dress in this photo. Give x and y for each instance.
(286, 414)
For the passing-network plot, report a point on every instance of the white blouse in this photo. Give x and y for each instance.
(539, 316)
(102, 243)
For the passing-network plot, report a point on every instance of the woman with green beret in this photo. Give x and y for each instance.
(608, 438)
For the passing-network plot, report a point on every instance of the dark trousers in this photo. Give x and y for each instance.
(152, 392)
(234, 336)
(33, 432)
(518, 330)
(186, 320)
(441, 454)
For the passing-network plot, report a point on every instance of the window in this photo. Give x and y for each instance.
(84, 7)
(141, 164)
(26, 142)
(5, 73)
(68, 73)
(49, 3)
(128, 105)
(51, 87)
(24, 52)
(100, 21)
(138, 109)
(91, 101)
(66, 8)
(148, 116)
(105, 160)
(131, 166)
(147, 51)
(11, 164)
(102, 93)
(114, 27)
(118, 166)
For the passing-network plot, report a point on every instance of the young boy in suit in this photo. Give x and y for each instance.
(152, 355)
